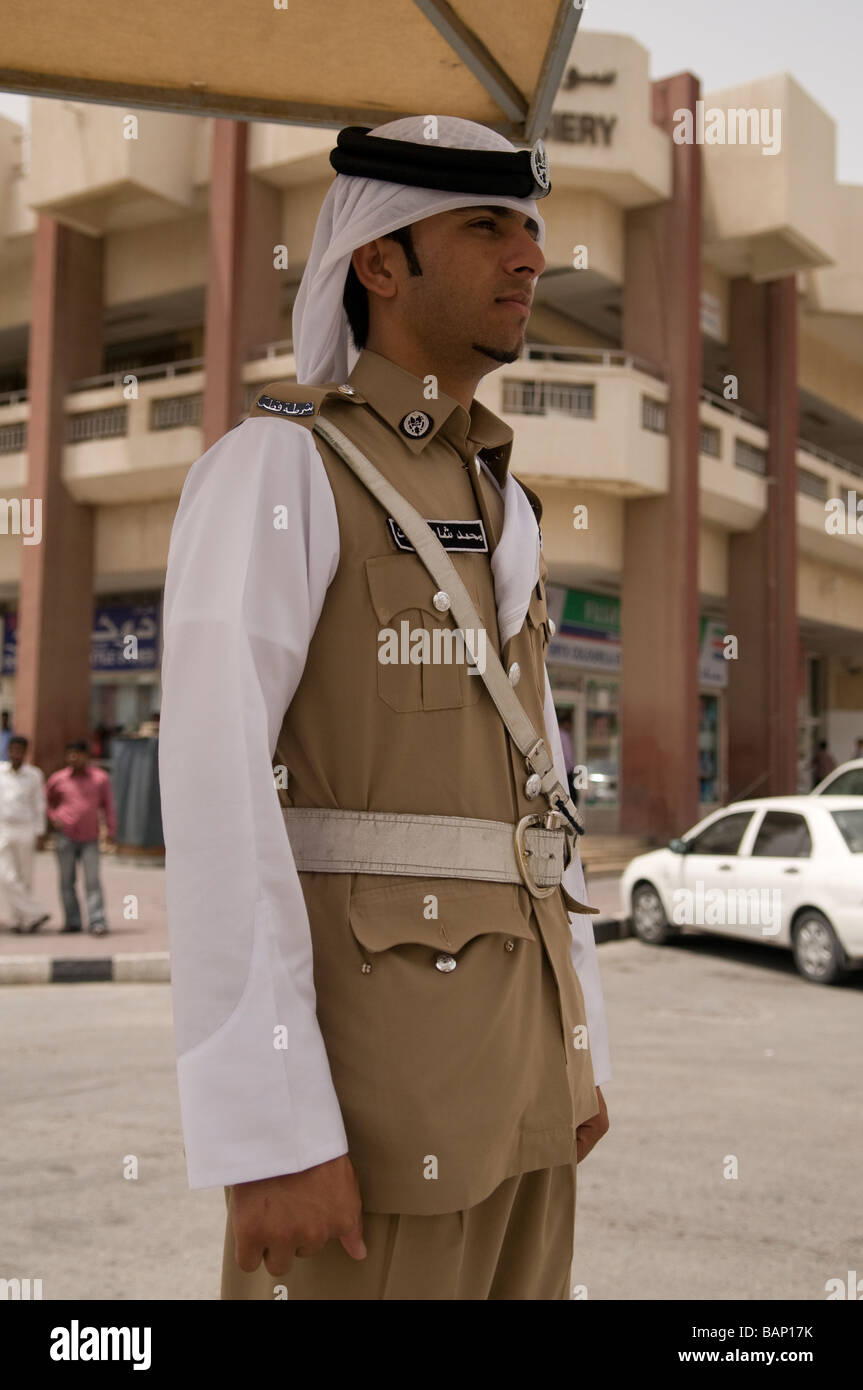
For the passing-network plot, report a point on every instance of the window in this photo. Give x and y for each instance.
(783, 835)
(811, 483)
(710, 441)
(851, 825)
(722, 836)
(848, 783)
(750, 457)
(548, 398)
(654, 415)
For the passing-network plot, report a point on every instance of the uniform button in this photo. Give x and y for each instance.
(366, 968)
(514, 673)
(347, 390)
(441, 601)
(533, 786)
(509, 944)
(552, 626)
(445, 963)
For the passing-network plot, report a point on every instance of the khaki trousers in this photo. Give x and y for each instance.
(517, 1244)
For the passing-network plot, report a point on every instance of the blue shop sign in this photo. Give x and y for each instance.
(125, 638)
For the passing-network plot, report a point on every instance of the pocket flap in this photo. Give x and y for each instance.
(400, 582)
(395, 915)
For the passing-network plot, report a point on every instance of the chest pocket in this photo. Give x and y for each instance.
(422, 665)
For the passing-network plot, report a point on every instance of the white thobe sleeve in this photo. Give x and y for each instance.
(253, 550)
(584, 957)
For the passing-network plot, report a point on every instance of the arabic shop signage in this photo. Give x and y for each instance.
(581, 127)
(110, 649)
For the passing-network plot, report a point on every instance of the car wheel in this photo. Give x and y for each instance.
(817, 954)
(648, 915)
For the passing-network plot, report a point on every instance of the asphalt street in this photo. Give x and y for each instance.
(720, 1053)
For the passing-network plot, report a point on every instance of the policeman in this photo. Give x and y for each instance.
(389, 1022)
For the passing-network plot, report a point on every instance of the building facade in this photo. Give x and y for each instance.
(689, 406)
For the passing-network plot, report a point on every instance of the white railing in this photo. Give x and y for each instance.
(152, 373)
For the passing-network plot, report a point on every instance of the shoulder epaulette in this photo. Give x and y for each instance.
(290, 400)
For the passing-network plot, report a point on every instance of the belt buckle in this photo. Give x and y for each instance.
(522, 853)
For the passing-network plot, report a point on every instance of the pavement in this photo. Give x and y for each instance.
(731, 1169)
(136, 948)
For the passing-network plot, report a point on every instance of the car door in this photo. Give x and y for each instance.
(777, 874)
(713, 863)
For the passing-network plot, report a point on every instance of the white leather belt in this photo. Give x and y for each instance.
(533, 852)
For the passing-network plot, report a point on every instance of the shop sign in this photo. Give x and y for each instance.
(712, 666)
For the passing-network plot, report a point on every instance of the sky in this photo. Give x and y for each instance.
(820, 42)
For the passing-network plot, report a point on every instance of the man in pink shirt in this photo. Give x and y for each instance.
(75, 796)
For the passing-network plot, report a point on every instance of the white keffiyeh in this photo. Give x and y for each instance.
(357, 210)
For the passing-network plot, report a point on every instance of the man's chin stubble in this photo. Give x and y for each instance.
(501, 355)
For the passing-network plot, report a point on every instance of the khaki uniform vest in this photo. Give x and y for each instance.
(448, 1082)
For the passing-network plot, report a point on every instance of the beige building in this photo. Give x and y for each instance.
(689, 407)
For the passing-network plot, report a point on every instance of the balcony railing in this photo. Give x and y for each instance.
(850, 465)
(596, 357)
(155, 372)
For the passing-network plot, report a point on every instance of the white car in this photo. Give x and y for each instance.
(784, 870)
(844, 780)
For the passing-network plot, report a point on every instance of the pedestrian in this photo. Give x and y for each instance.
(22, 831)
(5, 735)
(75, 795)
(824, 762)
(390, 1027)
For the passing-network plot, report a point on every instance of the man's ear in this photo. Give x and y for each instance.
(371, 266)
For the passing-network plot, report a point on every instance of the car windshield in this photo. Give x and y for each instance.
(851, 825)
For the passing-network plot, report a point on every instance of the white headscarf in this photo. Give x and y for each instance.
(357, 210)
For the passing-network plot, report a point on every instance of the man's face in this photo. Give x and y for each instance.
(76, 759)
(472, 302)
(16, 754)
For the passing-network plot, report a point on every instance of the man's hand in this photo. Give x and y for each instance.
(40, 841)
(296, 1214)
(592, 1130)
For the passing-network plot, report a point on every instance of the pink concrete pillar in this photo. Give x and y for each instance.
(55, 614)
(762, 569)
(659, 609)
(242, 304)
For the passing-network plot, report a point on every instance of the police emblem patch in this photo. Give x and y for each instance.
(415, 424)
(453, 535)
(286, 407)
(539, 165)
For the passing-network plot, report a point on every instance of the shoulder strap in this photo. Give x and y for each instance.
(446, 576)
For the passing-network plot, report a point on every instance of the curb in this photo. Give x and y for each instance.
(155, 967)
(131, 968)
(611, 929)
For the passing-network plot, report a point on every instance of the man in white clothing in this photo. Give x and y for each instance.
(22, 830)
